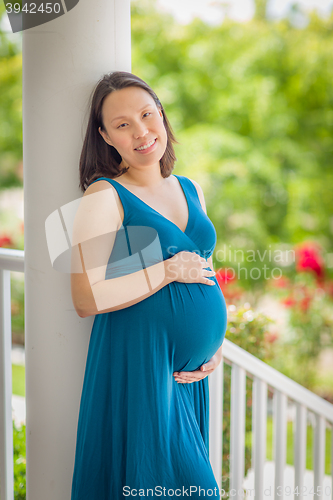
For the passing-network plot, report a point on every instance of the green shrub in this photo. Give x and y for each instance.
(19, 462)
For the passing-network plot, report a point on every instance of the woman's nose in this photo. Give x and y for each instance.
(140, 130)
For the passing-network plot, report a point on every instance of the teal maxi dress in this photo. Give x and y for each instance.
(140, 433)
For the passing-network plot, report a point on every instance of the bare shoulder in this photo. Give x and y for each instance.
(98, 186)
(108, 193)
(100, 195)
(99, 212)
(197, 185)
(200, 193)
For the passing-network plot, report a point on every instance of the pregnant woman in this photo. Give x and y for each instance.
(144, 243)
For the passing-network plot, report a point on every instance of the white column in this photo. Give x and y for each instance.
(62, 61)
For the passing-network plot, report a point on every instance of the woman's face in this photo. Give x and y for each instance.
(134, 126)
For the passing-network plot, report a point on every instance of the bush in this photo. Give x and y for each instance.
(19, 462)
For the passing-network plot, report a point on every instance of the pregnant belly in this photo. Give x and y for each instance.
(196, 316)
(181, 325)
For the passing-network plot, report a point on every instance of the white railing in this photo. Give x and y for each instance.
(242, 363)
(10, 260)
(283, 387)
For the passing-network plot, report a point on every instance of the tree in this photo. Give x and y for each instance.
(251, 105)
(260, 9)
(10, 106)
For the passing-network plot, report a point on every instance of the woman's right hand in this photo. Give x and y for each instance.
(188, 267)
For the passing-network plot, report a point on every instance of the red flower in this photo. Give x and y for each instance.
(304, 304)
(308, 256)
(225, 275)
(271, 337)
(289, 301)
(227, 280)
(281, 282)
(5, 240)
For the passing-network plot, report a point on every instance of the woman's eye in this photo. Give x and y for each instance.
(122, 125)
(146, 114)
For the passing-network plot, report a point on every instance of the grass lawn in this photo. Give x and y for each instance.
(290, 445)
(18, 380)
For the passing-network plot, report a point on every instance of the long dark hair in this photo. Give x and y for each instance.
(99, 159)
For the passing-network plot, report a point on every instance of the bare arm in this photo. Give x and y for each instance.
(96, 223)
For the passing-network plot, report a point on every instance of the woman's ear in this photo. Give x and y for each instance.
(105, 136)
(160, 112)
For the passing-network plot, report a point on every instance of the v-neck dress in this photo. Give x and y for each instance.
(140, 433)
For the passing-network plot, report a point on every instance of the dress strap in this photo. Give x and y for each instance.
(190, 187)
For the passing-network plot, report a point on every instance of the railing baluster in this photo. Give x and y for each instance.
(216, 422)
(260, 423)
(237, 430)
(319, 456)
(332, 461)
(300, 450)
(279, 441)
(6, 423)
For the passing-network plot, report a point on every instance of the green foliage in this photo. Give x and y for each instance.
(19, 438)
(311, 318)
(10, 107)
(252, 105)
(17, 305)
(260, 9)
(249, 329)
(307, 293)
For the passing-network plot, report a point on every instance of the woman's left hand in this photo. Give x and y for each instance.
(206, 369)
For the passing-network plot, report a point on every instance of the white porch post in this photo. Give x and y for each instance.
(62, 61)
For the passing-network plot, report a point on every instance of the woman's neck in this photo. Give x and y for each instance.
(149, 177)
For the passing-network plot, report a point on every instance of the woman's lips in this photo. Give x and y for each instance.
(147, 150)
